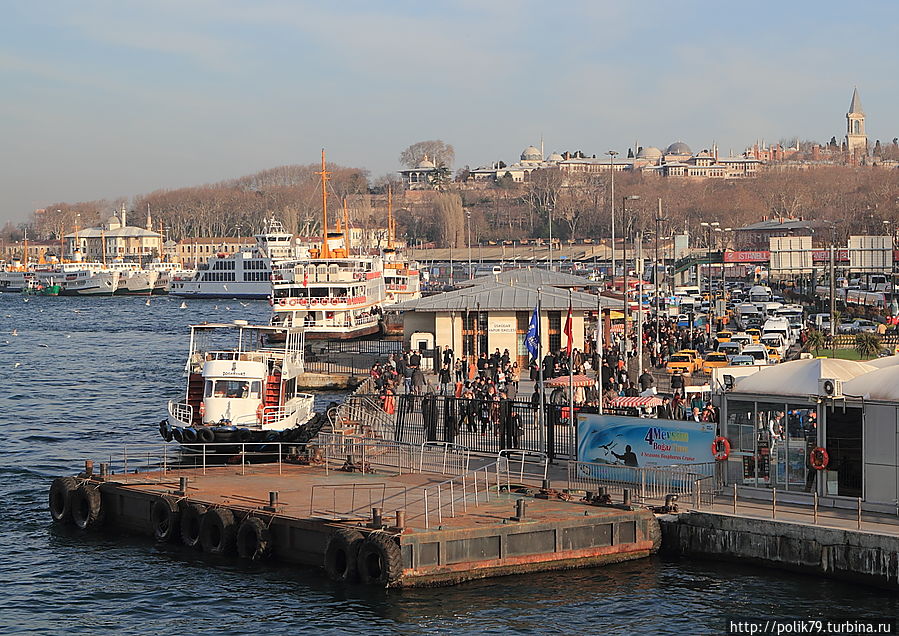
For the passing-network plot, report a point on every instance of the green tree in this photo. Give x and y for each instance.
(867, 344)
(815, 340)
(440, 177)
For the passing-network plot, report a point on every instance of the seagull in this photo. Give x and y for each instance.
(45, 346)
(215, 308)
(183, 305)
(148, 301)
(225, 287)
(228, 307)
(15, 332)
(24, 300)
(17, 365)
(68, 336)
(242, 304)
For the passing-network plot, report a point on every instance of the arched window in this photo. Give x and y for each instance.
(856, 126)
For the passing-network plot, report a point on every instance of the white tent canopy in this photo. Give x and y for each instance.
(880, 384)
(800, 377)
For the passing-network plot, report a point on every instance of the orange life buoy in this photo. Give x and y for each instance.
(202, 409)
(721, 448)
(260, 411)
(818, 458)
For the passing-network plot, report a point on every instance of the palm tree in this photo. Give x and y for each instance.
(814, 340)
(867, 344)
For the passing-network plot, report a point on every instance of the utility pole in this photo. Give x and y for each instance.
(639, 268)
(612, 154)
(656, 274)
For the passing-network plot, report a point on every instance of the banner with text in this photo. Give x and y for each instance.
(634, 441)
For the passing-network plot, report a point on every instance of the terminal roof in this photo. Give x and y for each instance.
(499, 296)
(533, 277)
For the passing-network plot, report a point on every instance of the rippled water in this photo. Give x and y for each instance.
(95, 373)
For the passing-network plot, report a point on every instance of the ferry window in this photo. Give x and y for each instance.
(208, 392)
(236, 389)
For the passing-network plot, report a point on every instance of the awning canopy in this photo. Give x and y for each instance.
(576, 380)
(635, 402)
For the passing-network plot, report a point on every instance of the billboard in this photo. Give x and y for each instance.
(635, 441)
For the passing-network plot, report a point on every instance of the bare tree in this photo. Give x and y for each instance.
(435, 149)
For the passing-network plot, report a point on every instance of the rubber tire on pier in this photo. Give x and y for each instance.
(191, 520)
(341, 555)
(254, 541)
(244, 435)
(205, 435)
(61, 498)
(165, 430)
(166, 517)
(218, 531)
(380, 561)
(87, 506)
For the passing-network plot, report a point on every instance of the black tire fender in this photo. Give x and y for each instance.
(254, 541)
(380, 561)
(189, 435)
(191, 520)
(205, 435)
(218, 531)
(341, 555)
(87, 506)
(61, 498)
(166, 516)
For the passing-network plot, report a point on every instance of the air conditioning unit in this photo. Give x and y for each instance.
(830, 388)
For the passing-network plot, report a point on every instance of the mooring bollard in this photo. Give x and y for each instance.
(377, 520)
(774, 503)
(88, 468)
(627, 497)
(400, 520)
(546, 484)
(520, 509)
(273, 499)
(859, 513)
(104, 469)
(182, 487)
(816, 508)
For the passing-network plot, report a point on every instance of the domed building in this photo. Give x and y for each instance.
(115, 239)
(531, 155)
(678, 150)
(421, 176)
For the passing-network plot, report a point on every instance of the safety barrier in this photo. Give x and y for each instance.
(645, 484)
(443, 458)
(525, 465)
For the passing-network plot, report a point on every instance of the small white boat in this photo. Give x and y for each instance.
(244, 393)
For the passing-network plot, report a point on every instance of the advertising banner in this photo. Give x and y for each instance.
(634, 441)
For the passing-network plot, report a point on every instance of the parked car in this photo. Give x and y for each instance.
(857, 326)
(742, 361)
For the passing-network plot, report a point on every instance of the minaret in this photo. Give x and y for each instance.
(123, 215)
(856, 139)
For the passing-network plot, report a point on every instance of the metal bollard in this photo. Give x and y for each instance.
(88, 468)
(546, 484)
(735, 498)
(626, 497)
(816, 508)
(859, 513)
(104, 469)
(400, 520)
(377, 520)
(520, 509)
(273, 498)
(182, 486)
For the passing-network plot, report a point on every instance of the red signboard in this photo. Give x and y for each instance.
(762, 256)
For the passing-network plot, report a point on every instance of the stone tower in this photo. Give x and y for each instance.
(856, 139)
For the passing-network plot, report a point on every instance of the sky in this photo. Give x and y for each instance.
(109, 98)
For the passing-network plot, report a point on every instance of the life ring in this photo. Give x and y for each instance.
(721, 448)
(191, 519)
(380, 561)
(165, 516)
(818, 458)
(260, 412)
(218, 531)
(87, 507)
(254, 541)
(341, 555)
(61, 498)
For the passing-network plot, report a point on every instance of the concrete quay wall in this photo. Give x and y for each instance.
(865, 557)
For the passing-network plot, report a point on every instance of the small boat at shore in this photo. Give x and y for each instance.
(245, 392)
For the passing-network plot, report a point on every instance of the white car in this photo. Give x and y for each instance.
(857, 326)
(759, 354)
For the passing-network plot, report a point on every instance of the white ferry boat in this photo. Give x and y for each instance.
(245, 392)
(244, 274)
(82, 279)
(168, 272)
(133, 279)
(402, 279)
(15, 278)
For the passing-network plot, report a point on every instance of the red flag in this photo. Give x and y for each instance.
(568, 332)
(305, 279)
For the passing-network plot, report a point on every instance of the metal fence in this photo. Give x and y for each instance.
(694, 485)
(484, 426)
(347, 364)
(370, 348)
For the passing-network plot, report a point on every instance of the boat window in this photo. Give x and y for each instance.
(208, 392)
(236, 388)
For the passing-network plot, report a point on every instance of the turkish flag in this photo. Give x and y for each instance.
(568, 331)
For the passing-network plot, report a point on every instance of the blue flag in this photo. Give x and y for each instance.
(532, 338)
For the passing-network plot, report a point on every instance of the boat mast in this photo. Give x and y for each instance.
(25, 248)
(346, 229)
(389, 217)
(325, 175)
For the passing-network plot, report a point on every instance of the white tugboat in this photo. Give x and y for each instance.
(246, 392)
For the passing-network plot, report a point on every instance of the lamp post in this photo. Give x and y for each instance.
(655, 280)
(468, 214)
(624, 201)
(549, 211)
(708, 247)
(612, 154)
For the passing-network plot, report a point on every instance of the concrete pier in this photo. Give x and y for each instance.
(864, 556)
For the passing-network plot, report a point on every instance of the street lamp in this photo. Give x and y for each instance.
(612, 154)
(468, 214)
(655, 280)
(624, 201)
(708, 247)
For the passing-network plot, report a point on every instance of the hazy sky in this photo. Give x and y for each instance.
(115, 98)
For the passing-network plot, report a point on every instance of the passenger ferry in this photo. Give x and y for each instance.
(331, 295)
(245, 392)
(402, 279)
(15, 278)
(134, 279)
(168, 272)
(82, 279)
(244, 274)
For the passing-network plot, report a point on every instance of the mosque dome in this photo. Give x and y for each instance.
(556, 157)
(678, 148)
(113, 223)
(531, 154)
(425, 163)
(650, 153)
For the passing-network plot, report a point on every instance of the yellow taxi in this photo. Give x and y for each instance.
(713, 361)
(755, 334)
(723, 336)
(773, 355)
(680, 363)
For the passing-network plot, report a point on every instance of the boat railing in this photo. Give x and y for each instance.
(181, 411)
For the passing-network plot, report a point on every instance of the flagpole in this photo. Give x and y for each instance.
(599, 359)
(570, 324)
(542, 418)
